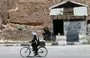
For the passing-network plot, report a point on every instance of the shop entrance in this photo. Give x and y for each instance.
(58, 27)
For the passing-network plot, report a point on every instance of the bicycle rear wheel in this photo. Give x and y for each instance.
(42, 51)
(25, 51)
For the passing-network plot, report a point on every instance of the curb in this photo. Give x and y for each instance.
(10, 45)
(46, 44)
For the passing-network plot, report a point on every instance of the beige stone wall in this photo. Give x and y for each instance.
(25, 11)
(3, 9)
(29, 10)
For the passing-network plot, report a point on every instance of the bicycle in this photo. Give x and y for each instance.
(26, 51)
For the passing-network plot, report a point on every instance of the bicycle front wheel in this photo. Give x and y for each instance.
(42, 51)
(25, 51)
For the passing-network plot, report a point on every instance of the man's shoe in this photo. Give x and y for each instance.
(36, 55)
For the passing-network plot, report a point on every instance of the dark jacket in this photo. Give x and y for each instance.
(35, 40)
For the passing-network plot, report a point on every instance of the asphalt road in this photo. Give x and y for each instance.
(75, 51)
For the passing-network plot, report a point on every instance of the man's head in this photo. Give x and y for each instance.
(34, 33)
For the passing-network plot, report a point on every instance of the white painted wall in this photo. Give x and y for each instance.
(57, 11)
(80, 11)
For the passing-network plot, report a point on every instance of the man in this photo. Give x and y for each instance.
(47, 34)
(34, 43)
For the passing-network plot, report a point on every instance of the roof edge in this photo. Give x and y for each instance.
(66, 2)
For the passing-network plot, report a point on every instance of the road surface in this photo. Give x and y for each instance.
(74, 51)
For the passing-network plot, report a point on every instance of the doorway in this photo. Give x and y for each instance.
(58, 27)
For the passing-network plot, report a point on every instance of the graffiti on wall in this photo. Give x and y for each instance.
(75, 26)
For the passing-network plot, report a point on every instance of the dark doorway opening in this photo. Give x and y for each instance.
(58, 27)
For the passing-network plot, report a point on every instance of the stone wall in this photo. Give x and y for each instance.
(26, 11)
(16, 35)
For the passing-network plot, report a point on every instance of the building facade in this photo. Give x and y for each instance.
(68, 23)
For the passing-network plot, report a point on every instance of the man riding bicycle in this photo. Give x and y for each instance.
(35, 43)
(38, 47)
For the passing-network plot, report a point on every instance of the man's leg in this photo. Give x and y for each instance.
(33, 47)
(36, 50)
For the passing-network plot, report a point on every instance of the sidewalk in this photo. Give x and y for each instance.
(23, 44)
(58, 43)
(46, 44)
